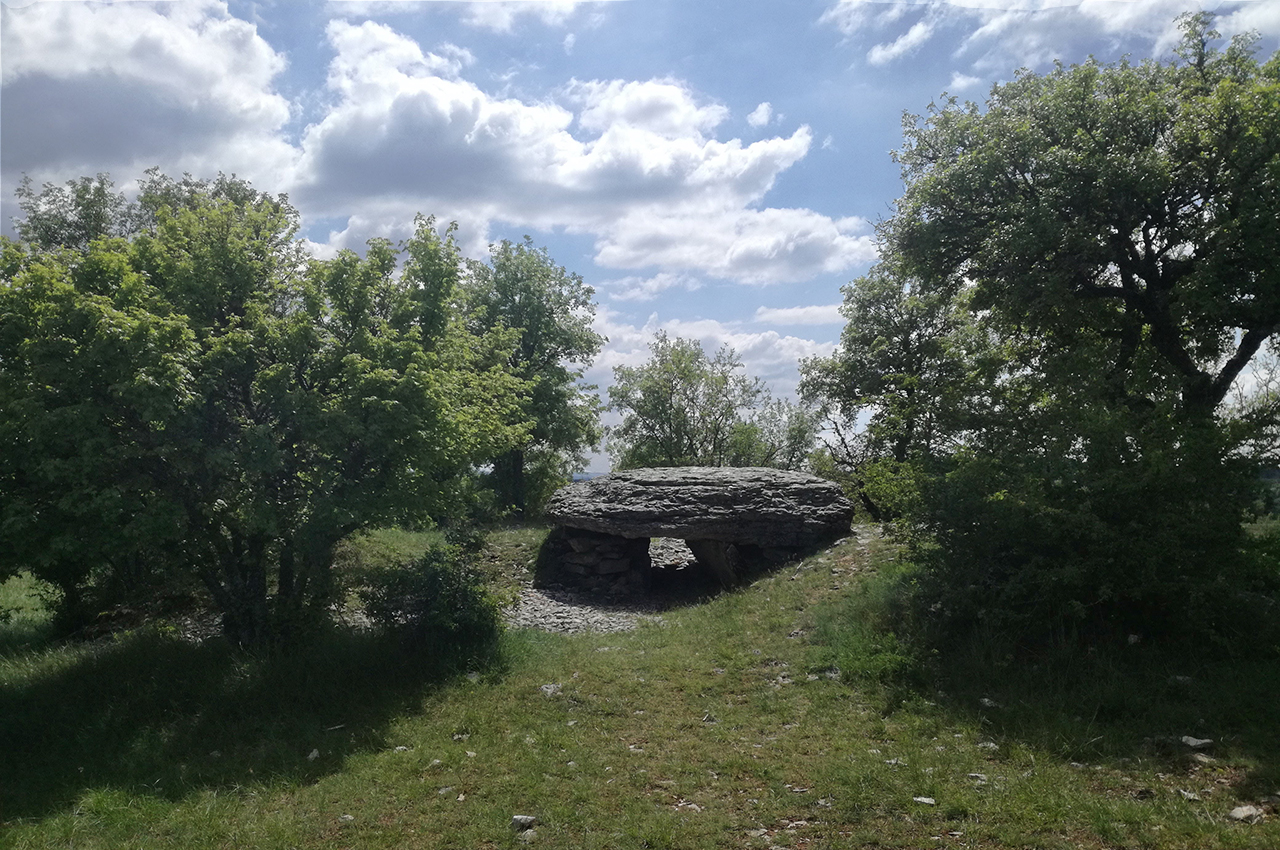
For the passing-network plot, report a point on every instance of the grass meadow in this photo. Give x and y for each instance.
(780, 715)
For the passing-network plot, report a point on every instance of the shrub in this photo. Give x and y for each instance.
(437, 602)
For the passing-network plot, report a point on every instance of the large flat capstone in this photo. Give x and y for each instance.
(769, 508)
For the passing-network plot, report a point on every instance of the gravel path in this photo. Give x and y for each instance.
(571, 612)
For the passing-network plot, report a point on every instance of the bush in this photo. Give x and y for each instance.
(437, 602)
(1052, 549)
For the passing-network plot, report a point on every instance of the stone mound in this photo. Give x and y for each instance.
(730, 517)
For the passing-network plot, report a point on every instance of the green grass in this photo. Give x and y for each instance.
(25, 621)
(723, 726)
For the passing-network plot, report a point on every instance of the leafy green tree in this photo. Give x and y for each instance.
(683, 408)
(522, 289)
(1130, 210)
(903, 383)
(205, 396)
(70, 216)
(1099, 245)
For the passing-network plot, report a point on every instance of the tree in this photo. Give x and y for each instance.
(70, 216)
(1110, 234)
(1129, 209)
(683, 408)
(901, 386)
(522, 289)
(205, 396)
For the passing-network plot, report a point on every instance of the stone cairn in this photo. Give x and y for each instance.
(734, 520)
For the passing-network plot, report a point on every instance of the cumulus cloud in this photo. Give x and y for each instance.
(962, 82)
(495, 15)
(501, 15)
(753, 246)
(1032, 33)
(760, 115)
(634, 163)
(121, 87)
(400, 127)
(648, 288)
(882, 54)
(817, 314)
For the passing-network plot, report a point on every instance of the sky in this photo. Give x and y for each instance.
(714, 169)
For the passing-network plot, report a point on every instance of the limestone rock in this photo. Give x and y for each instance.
(750, 505)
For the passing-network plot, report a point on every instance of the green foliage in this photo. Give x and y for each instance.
(204, 397)
(911, 367)
(1125, 214)
(1074, 280)
(551, 311)
(683, 408)
(69, 216)
(436, 603)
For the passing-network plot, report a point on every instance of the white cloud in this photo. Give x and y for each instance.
(665, 108)
(960, 82)
(646, 289)
(1033, 33)
(569, 41)
(817, 314)
(760, 115)
(634, 163)
(749, 245)
(501, 15)
(122, 87)
(496, 15)
(882, 54)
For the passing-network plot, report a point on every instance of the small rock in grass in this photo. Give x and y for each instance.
(448, 789)
(527, 836)
(1246, 814)
(346, 818)
(990, 746)
(1201, 758)
(988, 703)
(402, 749)
(1196, 743)
(520, 823)
(550, 689)
(925, 801)
(1189, 796)
(313, 755)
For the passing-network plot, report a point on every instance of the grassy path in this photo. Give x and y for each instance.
(723, 727)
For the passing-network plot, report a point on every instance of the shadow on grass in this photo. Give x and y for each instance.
(155, 715)
(1122, 707)
(1128, 706)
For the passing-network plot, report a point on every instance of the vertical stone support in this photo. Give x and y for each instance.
(593, 561)
(722, 559)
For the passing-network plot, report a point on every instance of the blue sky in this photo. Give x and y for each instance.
(714, 169)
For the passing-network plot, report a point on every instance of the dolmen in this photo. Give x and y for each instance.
(734, 520)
